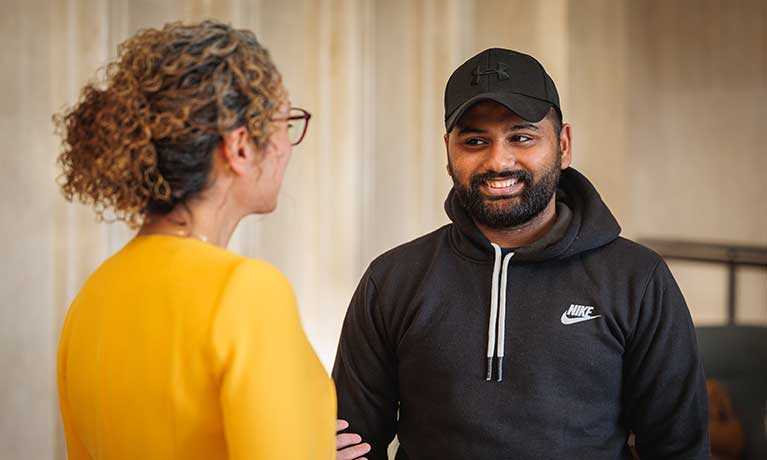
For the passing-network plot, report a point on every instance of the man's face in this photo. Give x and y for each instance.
(505, 169)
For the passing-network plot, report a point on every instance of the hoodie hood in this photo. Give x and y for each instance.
(589, 224)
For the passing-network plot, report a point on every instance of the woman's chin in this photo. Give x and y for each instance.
(266, 208)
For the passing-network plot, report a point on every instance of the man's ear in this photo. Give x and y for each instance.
(566, 144)
(237, 150)
(447, 153)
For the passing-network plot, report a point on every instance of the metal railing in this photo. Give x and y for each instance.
(730, 255)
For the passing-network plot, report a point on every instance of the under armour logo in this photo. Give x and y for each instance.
(500, 70)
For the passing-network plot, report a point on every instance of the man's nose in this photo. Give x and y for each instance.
(501, 157)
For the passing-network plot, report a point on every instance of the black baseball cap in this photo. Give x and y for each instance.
(516, 80)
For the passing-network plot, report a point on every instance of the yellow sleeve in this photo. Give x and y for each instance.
(75, 449)
(277, 400)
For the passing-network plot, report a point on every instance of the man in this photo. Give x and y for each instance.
(527, 328)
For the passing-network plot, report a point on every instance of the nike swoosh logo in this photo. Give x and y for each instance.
(567, 320)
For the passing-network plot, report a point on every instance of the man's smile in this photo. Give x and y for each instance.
(506, 187)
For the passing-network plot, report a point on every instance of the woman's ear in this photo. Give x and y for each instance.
(237, 150)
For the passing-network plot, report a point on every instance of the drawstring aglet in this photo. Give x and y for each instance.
(500, 369)
(489, 376)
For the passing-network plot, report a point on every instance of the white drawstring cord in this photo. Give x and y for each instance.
(493, 312)
(502, 314)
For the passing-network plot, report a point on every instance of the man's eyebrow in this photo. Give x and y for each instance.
(473, 130)
(470, 130)
(524, 126)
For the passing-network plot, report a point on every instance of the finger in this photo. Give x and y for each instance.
(352, 453)
(347, 439)
(341, 425)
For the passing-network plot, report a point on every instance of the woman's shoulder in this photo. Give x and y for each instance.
(257, 302)
(261, 277)
(186, 267)
(176, 254)
(161, 261)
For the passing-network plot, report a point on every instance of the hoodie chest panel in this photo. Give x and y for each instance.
(555, 375)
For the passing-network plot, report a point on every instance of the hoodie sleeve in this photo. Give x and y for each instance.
(665, 389)
(365, 372)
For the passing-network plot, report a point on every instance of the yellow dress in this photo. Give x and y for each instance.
(177, 349)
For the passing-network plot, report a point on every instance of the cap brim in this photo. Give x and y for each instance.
(528, 108)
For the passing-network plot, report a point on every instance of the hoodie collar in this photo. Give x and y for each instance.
(583, 222)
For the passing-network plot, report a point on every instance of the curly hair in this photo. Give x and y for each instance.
(142, 140)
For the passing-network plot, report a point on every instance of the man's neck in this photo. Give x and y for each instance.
(525, 234)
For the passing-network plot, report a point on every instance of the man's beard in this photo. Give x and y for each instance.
(504, 214)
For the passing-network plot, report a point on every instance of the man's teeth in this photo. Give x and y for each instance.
(501, 183)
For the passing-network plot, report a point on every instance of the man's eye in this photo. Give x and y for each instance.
(520, 138)
(474, 141)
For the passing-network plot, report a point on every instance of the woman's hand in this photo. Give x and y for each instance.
(349, 446)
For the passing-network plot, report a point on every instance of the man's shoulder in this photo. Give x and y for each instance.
(635, 249)
(624, 252)
(413, 252)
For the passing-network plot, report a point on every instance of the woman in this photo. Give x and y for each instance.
(176, 348)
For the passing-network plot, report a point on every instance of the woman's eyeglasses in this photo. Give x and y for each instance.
(298, 121)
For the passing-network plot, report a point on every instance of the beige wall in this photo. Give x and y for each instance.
(667, 100)
(698, 112)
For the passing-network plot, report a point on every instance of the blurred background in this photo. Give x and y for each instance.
(667, 98)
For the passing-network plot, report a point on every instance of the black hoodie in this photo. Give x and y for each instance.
(598, 342)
